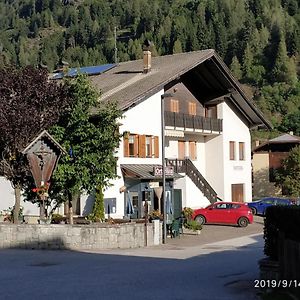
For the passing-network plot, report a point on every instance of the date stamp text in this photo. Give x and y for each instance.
(273, 283)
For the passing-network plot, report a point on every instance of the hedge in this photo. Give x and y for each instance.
(284, 219)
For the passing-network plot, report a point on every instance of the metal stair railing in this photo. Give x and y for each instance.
(186, 166)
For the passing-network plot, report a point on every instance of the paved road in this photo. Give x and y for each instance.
(183, 269)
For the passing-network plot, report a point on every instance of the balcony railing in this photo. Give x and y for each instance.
(181, 120)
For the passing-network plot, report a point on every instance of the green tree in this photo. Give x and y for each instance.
(29, 103)
(284, 69)
(235, 67)
(91, 141)
(98, 214)
(288, 177)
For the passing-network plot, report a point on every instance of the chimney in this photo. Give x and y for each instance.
(146, 57)
(257, 143)
(147, 61)
(291, 132)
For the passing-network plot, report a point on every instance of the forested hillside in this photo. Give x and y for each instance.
(258, 39)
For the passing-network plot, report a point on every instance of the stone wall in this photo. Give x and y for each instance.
(79, 237)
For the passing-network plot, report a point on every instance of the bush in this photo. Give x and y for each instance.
(57, 219)
(283, 219)
(192, 225)
(188, 212)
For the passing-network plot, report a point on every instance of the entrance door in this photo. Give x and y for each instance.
(181, 149)
(177, 203)
(237, 192)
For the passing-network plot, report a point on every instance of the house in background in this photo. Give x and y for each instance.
(268, 157)
(207, 133)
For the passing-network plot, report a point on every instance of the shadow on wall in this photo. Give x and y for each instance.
(262, 186)
(54, 243)
(88, 205)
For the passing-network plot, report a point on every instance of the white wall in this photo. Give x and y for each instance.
(219, 165)
(7, 199)
(144, 118)
(191, 195)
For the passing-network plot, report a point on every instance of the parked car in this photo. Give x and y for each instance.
(224, 213)
(259, 207)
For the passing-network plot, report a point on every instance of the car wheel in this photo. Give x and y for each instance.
(254, 210)
(243, 222)
(200, 219)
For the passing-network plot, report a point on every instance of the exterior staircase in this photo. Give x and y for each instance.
(186, 166)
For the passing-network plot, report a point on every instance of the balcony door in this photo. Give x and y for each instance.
(181, 149)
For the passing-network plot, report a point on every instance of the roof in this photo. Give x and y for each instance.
(282, 139)
(143, 171)
(46, 134)
(286, 138)
(203, 72)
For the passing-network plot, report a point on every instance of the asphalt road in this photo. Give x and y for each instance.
(219, 264)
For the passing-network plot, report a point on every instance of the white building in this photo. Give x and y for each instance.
(207, 132)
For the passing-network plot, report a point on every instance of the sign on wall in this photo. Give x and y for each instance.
(158, 170)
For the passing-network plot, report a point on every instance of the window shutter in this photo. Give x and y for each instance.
(192, 150)
(156, 147)
(126, 146)
(136, 145)
(142, 146)
(192, 108)
(174, 105)
(232, 150)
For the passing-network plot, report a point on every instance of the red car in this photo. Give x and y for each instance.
(224, 213)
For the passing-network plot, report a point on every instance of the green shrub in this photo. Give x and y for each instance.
(192, 225)
(57, 219)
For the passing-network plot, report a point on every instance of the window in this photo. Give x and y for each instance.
(232, 150)
(174, 105)
(142, 146)
(192, 150)
(211, 112)
(242, 151)
(132, 143)
(192, 108)
(148, 146)
(221, 206)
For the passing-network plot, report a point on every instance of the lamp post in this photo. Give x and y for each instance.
(163, 162)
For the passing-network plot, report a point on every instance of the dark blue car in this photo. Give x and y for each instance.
(259, 207)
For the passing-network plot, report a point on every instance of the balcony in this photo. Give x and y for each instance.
(181, 121)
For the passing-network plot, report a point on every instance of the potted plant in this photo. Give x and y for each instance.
(193, 226)
(155, 215)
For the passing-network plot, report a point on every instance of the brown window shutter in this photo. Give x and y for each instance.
(174, 105)
(126, 146)
(232, 150)
(142, 146)
(192, 108)
(192, 150)
(136, 145)
(241, 151)
(156, 146)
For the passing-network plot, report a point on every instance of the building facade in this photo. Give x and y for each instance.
(205, 118)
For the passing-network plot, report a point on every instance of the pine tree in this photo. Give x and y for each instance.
(235, 67)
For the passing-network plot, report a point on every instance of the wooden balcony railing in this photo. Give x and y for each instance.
(186, 166)
(185, 121)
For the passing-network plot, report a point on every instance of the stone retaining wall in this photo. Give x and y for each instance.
(79, 237)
